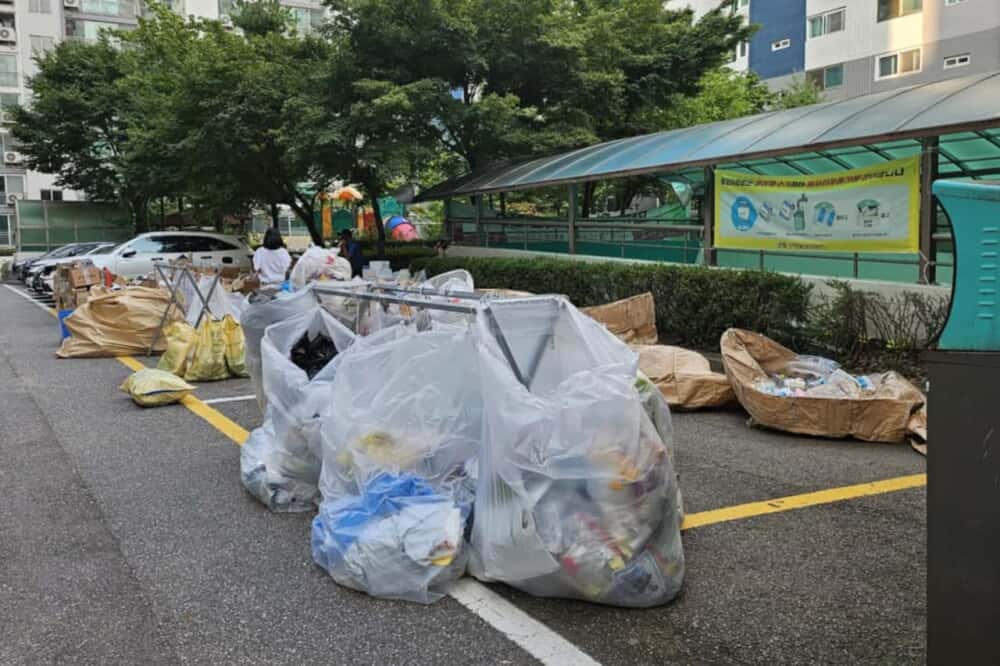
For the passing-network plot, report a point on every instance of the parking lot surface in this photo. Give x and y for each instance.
(129, 539)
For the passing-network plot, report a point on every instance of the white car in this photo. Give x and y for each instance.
(138, 256)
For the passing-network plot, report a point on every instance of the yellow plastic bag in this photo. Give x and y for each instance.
(207, 361)
(235, 347)
(180, 336)
(152, 388)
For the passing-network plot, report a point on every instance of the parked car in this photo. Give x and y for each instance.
(22, 267)
(42, 273)
(138, 256)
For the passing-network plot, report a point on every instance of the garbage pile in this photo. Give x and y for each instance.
(525, 414)
(684, 377)
(814, 396)
(577, 496)
(117, 322)
(213, 352)
(400, 438)
(280, 462)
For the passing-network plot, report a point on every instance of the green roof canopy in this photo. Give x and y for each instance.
(832, 136)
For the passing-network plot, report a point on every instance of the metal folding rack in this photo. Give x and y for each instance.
(174, 284)
(425, 298)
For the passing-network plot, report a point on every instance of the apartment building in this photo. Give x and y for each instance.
(31, 27)
(854, 47)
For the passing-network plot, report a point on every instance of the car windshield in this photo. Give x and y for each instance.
(64, 251)
(106, 249)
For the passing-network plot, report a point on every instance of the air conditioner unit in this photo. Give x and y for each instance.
(8, 35)
(14, 196)
(227, 22)
(71, 4)
(11, 157)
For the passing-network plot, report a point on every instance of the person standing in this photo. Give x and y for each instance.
(271, 260)
(350, 249)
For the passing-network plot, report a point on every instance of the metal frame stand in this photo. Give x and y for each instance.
(174, 283)
(424, 298)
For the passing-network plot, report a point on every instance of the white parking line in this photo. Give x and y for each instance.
(235, 398)
(531, 635)
(26, 296)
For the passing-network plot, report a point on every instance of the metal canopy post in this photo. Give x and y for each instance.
(708, 218)
(173, 288)
(571, 219)
(480, 235)
(928, 214)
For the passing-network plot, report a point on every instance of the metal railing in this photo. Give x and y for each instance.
(636, 235)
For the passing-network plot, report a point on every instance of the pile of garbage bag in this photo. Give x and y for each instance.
(632, 319)
(576, 494)
(318, 263)
(812, 395)
(216, 351)
(400, 439)
(118, 322)
(280, 462)
(684, 377)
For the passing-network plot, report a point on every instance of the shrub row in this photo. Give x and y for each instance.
(694, 304)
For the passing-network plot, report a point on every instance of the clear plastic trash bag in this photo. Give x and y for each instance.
(318, 263)
(405, 405)
(280, 479)
(577, 495)
(258, 316)
(398, 539)
(286, 451)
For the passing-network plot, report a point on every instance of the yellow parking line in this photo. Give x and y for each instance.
(829, 496)
(215, 418)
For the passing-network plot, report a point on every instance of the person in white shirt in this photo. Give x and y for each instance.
(271, 260)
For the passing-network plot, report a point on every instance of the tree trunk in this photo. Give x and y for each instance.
(304, 210)
(139, 214)
(373, 191)
(274, 215)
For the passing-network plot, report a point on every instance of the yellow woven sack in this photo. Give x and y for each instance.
(207, 361)
(235, 347)
(152, 388)
(180, 336)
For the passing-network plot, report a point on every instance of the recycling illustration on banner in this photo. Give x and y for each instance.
(872, 209)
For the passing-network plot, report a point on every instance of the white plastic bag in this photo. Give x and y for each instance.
(319, 263)
(576, 495)
(282, 467)
(405, 412)
(258, 316)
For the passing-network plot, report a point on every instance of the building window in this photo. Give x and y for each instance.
(5, 238)
(827, 77)
(824, 24)
(743, 49)
(12, 185)
(897, 64)
(8, 143)
(40, 6)
(121, 8)
(89, 31)
(954, 61)
(41, 44)
(307, 21)
(8, 71)
(890, 9)
(52, 195)
(780, 44)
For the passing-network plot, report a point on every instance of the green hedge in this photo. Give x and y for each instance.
(401, 256)
(694, 304)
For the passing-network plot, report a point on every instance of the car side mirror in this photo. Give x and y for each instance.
(128, 253)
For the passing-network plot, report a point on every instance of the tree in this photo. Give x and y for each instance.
(77, 127)
(213, 106)
(799, 92)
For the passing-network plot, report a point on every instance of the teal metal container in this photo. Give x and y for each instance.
(974, 209)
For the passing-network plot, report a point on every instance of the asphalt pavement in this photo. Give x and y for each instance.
(127, 538)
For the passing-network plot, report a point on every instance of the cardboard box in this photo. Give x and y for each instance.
(84, 275)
